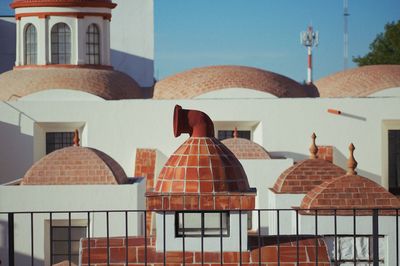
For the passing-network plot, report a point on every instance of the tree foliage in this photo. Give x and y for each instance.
(385, 49)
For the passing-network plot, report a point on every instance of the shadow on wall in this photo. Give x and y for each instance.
(139, 68)
(16, 153)
(7, 43)
(20, 259)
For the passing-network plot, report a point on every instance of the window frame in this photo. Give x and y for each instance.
(64, 144)
(30, 44)
(202, 232)
(93, 43)
(393, 189)
(226, 134)
(61, 31)
(69, 246)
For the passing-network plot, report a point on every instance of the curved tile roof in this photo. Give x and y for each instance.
(360, 81)
(197, 81)
(305, 175)
(349, 191)
(107, 84)
(75, 166)
(245, 149)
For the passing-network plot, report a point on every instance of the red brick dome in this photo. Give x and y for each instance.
(246, 149)
(360, 81)
(75, 166)
(202, 173)
(195, 82)
(107, 84)
(305, 175)
(349, 191)
(62, 3)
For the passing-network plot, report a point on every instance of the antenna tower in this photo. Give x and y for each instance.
(346, 34)
(309, 39)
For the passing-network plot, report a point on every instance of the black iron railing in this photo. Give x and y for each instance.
(286, 233)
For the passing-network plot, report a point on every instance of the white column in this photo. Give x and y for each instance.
(105, 44)
(42, 45)
(80, 41)
(18, 43)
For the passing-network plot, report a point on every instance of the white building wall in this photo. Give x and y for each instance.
(66, 198)
(132, 39)
(119, 127)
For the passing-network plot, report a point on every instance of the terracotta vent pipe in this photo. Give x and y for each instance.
(196, 123)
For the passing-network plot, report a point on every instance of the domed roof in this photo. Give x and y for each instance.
(62, 3)
(245, 149)
(201, 166)
(360, 81)
(192, 83)
(75, 166)
(305, 175)
(107, 84)
(349, 191)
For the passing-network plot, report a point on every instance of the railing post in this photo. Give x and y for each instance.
(11, 258)
(375, 237)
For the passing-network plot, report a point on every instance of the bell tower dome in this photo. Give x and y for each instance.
(63, 33)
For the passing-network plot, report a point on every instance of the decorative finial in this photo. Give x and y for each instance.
(351, 162)
(313, 148)
(235, 133)
(76, 138)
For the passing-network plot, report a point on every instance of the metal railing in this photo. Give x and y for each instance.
(311, 225)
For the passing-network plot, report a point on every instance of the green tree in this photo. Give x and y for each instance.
(385, 49)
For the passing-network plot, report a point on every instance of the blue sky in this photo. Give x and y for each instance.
(262, 33)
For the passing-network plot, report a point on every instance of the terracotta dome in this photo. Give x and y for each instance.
(349, 191)
(201, 168)
(360, 81)
(107, 84)
(75, 166)
(245, 149)
(195, 82)
(62, 3)
(305, 175)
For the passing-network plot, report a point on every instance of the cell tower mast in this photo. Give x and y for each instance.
(346, 34)
(309, 39)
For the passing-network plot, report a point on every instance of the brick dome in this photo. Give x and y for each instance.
(305, 175)
(107, 84)
(195, 82)
(62, 3)
(349, 191)
(202, 173)
(360, 81)
(246, 149)
(75, 166)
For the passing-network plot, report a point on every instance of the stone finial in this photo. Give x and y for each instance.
(313, 148)
(76, 138)
(235, 133)
(351, 162)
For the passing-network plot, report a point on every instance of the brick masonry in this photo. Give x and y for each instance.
(350, 191)
(305, 175)
(246, 149)
(107, 84)
(197, 81)
(75, 166)
(360, 81)
(267, 254)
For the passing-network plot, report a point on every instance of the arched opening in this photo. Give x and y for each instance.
(93, 44)
(30, 44)
(61, 44)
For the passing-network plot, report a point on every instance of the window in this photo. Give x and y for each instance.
(196, 222)
(93, 44)
(58, 140)
(226, 134)
(61, 44)
(394, 161)
(346, 254)
(30, 45)
(65, 239)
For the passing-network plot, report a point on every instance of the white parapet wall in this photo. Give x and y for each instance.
(85, 202)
